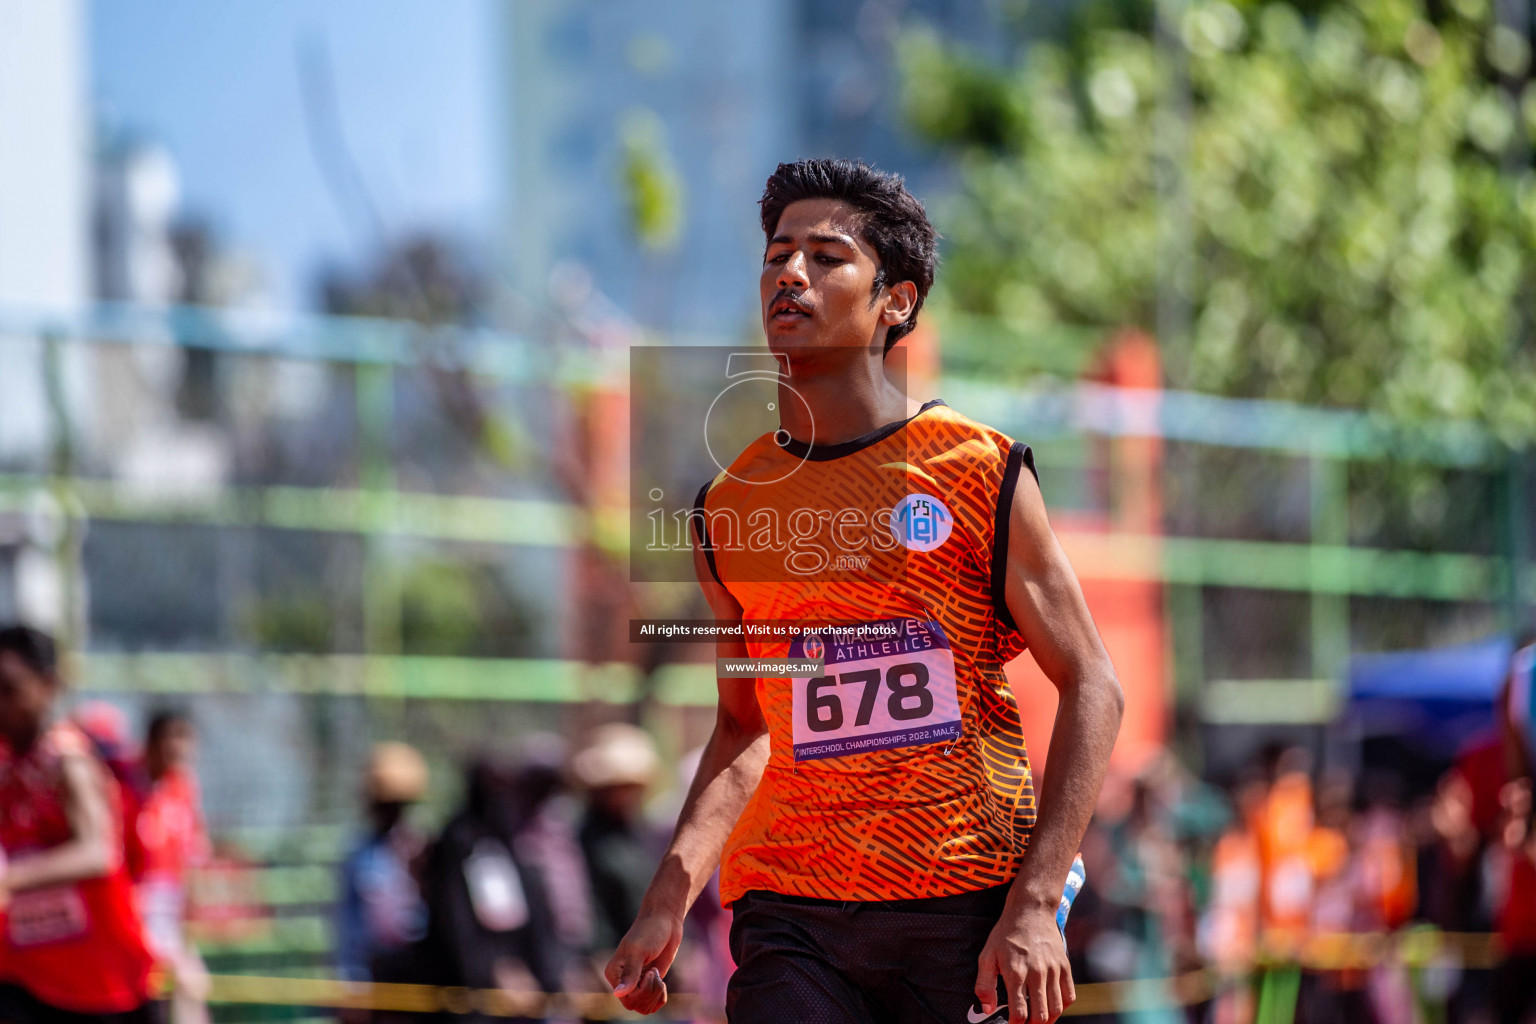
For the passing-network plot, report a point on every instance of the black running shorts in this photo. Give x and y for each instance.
(18, 1006)
(809, 961)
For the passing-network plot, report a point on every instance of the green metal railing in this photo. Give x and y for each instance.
(297, 883)
(1051, 415)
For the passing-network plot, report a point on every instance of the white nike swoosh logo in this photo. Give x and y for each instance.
(977, 1016)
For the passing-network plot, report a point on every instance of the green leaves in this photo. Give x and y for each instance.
(650, 184)
(1330, 198)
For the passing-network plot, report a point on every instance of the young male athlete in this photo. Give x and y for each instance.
(881, 847)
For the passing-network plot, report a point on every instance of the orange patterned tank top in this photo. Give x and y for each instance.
(898, 770)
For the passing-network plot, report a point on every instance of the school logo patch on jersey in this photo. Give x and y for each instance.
(921, 522)
(814, 648)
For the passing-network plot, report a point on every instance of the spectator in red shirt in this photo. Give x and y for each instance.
(71, 945)
(1513, 866)
(173, 840)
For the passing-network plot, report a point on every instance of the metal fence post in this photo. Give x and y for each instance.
(1330, 597)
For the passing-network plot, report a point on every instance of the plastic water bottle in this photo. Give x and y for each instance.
(1075, 879)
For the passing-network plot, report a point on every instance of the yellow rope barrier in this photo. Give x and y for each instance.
(1328, 952)
(343, 995)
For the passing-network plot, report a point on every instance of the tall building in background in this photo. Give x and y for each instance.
(44, 272)
(691, 103)
(144, 430)
(845, 66)
(44, 155)
(683, 104)
(137, 199)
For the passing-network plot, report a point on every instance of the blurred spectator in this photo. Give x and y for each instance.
(381, 911)
(1229, 933)
(1484, 767)
(1330, 856)
(172, 840)
(1332, 996)
(1513, 867)
(1519, 706)
(1387, 886)
(1132, 922)
(1447, 865)
(547, 844)
(490, 924)
(1285, 838)
(72, 946)
(1229, 930)
(616, 767)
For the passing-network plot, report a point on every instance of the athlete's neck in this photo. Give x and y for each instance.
(841, 406)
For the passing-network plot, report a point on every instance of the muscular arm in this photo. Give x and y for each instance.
(729, 771)
(89, 853)
(1047, 606)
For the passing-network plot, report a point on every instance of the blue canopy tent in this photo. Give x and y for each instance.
(1433, 701)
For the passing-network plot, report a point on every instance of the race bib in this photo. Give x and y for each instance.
(885, 684)
(40, 916)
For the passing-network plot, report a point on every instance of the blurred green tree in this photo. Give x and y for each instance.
(452, 608)
(650, 184)
(1337, 200)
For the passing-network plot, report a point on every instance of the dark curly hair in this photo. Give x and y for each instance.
(35, 648)
(891, 220)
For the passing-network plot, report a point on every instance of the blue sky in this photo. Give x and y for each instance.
(218, 85)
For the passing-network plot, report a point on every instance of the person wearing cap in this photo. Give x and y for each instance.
(381, 910)
(616, 767)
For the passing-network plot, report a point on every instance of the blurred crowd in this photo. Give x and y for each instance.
(531, 884)
(534, 879)
(1266, 882)
(525, 889)
(1256, 887)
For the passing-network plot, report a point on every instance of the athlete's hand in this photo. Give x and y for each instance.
(1025, 950)
(642, 960)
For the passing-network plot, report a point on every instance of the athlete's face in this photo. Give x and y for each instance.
(817, 286)
(24, 699)
(174, 748)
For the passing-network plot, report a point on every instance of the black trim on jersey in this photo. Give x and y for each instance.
(828, 452)
(1018, 455)
(700, 519)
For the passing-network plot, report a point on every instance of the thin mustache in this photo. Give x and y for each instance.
(784, 296)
